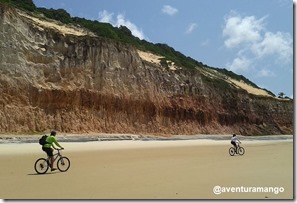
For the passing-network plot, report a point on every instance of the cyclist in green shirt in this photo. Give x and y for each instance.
(48, 148)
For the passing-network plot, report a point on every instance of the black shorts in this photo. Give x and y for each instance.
(234, 143)
(49, 151)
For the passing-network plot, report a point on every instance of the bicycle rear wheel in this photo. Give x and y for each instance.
(232, 151)
(41, 166)
(241, 151)
(63, 164)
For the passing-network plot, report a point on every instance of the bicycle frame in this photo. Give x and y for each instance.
(237, 146)
(56, 156)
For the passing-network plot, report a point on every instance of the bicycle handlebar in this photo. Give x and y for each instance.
(58, 149)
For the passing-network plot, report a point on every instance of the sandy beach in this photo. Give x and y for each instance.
(180, 169)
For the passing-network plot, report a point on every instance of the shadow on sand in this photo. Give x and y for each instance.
(48, 173)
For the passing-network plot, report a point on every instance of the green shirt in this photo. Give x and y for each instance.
(50, 141)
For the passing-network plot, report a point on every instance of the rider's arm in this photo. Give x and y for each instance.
(56, 143)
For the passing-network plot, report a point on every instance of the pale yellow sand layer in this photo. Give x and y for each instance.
(149, 170)
(153, 58)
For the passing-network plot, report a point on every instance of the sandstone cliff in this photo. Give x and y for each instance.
(60, 77)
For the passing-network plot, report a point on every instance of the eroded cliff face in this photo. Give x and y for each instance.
(64, 78)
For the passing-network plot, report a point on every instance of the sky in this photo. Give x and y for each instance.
(253, 38)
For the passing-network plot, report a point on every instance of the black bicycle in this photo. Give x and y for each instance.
(240, 150)
(43, 164)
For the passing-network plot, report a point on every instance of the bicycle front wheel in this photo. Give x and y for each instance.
(241, 151)
(232, 151)
(41, 166)
(63, 164)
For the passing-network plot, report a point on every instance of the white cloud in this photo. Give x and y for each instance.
(279, 44)
(205, 42)
(240, 30)
(286, 3)
(134, 29)
(249, 36)
(240, 64)
(265, 73)
(167, 9)
(105, 16)
(191, 28)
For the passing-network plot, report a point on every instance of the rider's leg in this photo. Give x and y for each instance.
(51, 161)
(235, 146)
(51, 155)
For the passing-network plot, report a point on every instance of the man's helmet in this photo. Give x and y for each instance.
(53, 133)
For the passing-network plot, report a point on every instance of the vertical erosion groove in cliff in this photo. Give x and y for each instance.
(53, 80)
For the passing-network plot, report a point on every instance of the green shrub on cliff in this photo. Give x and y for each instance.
(59, 14)
(22, 4)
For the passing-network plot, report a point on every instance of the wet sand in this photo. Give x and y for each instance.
(187, 169)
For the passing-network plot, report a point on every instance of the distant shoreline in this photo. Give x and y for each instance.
(5, 139)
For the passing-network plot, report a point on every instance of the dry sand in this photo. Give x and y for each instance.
(186, 169)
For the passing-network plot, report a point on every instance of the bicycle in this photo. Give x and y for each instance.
(240, 150)
(43, 164)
